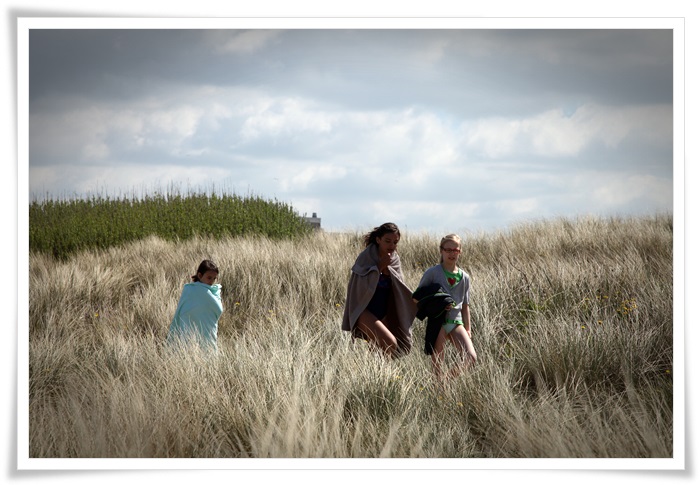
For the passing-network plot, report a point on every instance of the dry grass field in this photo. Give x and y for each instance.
(572, 321)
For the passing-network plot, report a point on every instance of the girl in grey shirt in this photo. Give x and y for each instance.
(457, 326)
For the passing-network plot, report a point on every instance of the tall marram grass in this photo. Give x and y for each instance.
(572, 321)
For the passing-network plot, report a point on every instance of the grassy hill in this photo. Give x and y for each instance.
(572, 322)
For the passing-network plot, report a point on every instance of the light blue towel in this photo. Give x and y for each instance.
(197, 315)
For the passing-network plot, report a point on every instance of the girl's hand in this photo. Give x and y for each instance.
(384, 261)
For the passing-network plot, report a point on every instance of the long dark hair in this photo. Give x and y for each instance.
(205, 266)
(386, 228)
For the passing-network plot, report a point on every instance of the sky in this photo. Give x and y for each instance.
(437, 130)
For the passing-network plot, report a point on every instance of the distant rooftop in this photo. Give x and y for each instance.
(314, 221)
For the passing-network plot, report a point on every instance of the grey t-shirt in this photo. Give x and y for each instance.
(459, 293)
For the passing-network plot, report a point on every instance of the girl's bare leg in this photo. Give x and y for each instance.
(438, 355)
(464, 346)
(378, 333)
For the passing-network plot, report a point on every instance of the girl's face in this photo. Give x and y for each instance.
(450, 251)
(208, 278)
(387, 243)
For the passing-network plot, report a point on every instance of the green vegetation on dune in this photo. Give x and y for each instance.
(63, 227)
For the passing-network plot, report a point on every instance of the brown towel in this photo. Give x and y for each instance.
(363, 281)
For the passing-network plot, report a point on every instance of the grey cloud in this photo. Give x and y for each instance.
(524, 70)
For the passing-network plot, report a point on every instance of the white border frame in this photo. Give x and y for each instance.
(677, 24)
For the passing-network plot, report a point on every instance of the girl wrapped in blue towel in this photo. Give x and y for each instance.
(196, 318)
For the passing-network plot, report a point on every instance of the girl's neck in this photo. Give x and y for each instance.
(451, 267)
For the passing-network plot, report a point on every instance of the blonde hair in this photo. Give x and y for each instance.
(450, 237)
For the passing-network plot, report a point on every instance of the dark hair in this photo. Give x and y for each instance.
(205, 266)
(386, 228)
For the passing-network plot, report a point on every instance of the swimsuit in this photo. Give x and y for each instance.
(379, 303)
(453, 279)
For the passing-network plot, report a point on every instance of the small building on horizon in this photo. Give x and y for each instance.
(314, 221)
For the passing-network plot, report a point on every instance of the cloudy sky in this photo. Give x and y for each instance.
(435, 129)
